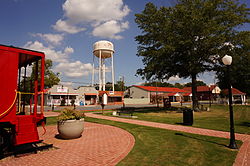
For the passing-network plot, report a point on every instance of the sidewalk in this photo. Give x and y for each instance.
(100, 145)
(242, 158)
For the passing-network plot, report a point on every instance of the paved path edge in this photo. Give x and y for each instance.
(242, 158)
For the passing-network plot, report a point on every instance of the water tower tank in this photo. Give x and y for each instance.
(103, 48)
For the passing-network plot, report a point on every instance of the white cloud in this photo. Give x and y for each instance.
(175, 78)
(63, 65)
(139, 83)
(54, 39)
(64, 26)
(199, 79)
(74, 69)
(95, 10)
(110, 29)
(66, 83)
(28, 71)
(56, 56)
(68, 50)
(108, 14)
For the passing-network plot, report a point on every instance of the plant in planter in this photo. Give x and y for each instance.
(70, 124)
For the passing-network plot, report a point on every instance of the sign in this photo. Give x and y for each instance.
(105, 99)
(62, 89)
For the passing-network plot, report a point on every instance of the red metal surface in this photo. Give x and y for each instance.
(35, 98)
(8, 84)
(11, 59)
(26, 130)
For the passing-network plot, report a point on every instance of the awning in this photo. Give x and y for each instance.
(90, 94)
(173, 94)
(70, 94)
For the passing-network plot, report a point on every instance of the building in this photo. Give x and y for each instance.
(187, 96)
(87, 95)
(205, 92)
(238, 97)
(151, 94)
(83, 96)
(110, 97)
(214, 93)
(59, 93)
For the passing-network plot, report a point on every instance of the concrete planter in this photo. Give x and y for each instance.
(70, 129)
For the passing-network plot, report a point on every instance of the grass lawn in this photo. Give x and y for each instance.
(163, 147)
(217, 118)
(155, 146)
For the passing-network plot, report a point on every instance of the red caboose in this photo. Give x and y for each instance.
(21, 100)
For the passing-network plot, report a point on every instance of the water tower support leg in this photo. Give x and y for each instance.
(100, 72)
(103, 83)
(93, 71)
(113, 77)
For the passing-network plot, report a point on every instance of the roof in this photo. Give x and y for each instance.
(61, 93)
(112, 94)
(160, 89)
(26, 56)
(174, 94)
(200, 88)
(87, 89)
(91, 94)
(234, 91)
(60, 89)
(187, 94)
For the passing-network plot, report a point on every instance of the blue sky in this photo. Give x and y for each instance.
(67, 29)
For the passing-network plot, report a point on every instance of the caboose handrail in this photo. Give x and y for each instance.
(42, 102)
(29, 93)
(25, 93)
(6, 111)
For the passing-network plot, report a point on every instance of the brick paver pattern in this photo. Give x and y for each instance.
(100, 145)
(242, 158)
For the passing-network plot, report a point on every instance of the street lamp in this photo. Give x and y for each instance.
(227, 60)
(209, 86)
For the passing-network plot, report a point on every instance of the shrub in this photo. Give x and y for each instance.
(70, 114)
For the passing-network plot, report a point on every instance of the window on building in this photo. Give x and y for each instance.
(115, 99)
(87, 97)
(56, 96)
(72, 97)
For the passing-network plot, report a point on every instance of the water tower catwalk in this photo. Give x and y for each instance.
(104, 51)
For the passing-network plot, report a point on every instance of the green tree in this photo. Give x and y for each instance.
(50, 78)
(119, 86)
(240, 67)
(158, 83)
(198, 83)
(178, 85)
(187, 39)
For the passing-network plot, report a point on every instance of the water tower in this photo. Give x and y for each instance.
(103, 51)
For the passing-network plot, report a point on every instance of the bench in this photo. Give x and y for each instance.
(127, 110)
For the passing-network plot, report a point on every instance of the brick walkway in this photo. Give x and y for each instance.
(51, 114)
(100, 145)
(242, 158)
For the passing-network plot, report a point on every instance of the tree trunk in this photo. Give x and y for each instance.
(194, 93)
